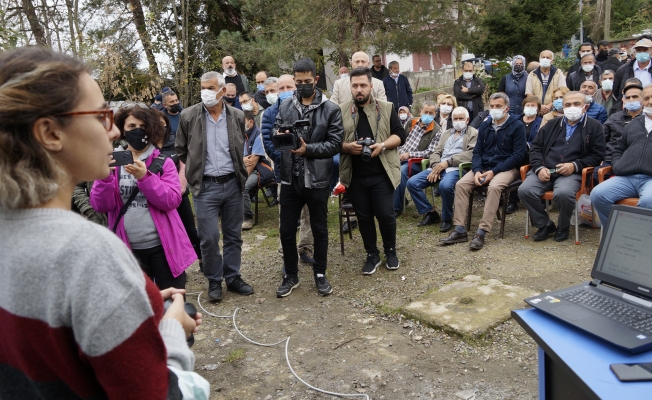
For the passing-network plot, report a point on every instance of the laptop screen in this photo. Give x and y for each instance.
(625, 254)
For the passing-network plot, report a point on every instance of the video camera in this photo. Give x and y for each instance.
(290, 141)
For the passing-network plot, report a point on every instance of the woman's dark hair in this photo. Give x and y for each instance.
(167, 129)
(153, 124)
(34, 83)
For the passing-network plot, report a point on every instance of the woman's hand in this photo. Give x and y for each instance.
(138, 169)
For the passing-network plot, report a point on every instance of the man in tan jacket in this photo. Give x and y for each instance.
(543, 81)
(455, 147)
(342, 87)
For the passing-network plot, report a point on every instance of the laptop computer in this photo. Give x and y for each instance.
(617, 304)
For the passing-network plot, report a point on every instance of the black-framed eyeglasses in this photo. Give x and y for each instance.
(107, 116)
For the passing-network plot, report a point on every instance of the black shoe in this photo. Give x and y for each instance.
(543, 233)
(445, 226)
(436, 192)
(561, 234)
(477, 243)
(373, 261)
(346, 228)
(289, 283)
(391, 261)
(273, 202)
(305, 257)
(324, 288)
(239, 286)
(511, 208)
(215, 290)
(431, 217)
(455, 237)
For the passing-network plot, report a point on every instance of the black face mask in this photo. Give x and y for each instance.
(175, 108)
(137, 138)
(518, 68)
(603, 53)
(229, 99)
(305, 90)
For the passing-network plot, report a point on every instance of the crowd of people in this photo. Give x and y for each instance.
(58, 150)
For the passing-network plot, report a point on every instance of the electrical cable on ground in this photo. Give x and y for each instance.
(287, 357)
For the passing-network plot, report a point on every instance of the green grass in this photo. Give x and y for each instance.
(235, 355)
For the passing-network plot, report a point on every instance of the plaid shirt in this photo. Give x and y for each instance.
(411, 145)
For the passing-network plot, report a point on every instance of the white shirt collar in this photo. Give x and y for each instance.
(638, 67)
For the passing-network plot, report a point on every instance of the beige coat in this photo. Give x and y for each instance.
(468, 144)
(342, 90)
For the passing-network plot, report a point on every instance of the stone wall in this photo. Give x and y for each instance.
(433, 79)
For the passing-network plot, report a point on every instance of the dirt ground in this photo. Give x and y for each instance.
(356, 341)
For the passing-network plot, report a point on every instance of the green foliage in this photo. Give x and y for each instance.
(491, 81)
(525, 27)
(235, 355)
(630, 17)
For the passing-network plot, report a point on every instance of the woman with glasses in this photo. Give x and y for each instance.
(79, 318)
(150, 225)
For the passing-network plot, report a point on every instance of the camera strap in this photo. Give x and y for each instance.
(354, 112)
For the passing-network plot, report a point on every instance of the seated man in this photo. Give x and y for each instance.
(498, 152)
(455, 147)
(632, 164)
(254, 152)
(595, 110)
(558, 154)
(420, 143)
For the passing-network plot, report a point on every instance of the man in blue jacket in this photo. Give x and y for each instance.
(498, 153)
(397, 87)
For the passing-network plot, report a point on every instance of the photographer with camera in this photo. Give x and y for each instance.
(370, 167)
(306, 171)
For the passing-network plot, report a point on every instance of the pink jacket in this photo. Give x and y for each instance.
(163, 194)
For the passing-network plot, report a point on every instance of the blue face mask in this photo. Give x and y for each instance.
(284, 95)
(642, 57)
(558, 104)
(633, 105)
(260, 87)
(427, 119)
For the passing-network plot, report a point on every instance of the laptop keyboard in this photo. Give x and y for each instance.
(617, 311)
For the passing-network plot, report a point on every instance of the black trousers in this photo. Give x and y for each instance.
(292, 201)
(188, 220)
(373, 196)
(155, 265)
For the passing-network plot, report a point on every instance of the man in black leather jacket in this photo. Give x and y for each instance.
(306, 173)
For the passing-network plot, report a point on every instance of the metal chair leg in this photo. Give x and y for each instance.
(527, 223)
(256, 208)
(577, 224)
(341, 233)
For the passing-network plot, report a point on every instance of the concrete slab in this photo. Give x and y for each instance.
(470, 306)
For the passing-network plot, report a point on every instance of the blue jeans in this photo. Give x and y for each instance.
(399, 195)
(225, 199)
(617, 188)
(447, 182)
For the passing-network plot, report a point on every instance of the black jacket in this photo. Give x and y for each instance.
(379, 74)
(633, 152)
(261, 99)
(578, 67)
(474, 94)
(592, 144)
(574, 80)
(323, 142)
(625, 72)
(613, 129)
(500, 151)
(612, 64)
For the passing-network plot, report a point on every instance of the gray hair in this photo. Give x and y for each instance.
(500, 95)
(460, 110)
(607, 71)
(587, 55)
(271, 80)
(576, 92)
(429, 103)
(167, 94)
(210, 75)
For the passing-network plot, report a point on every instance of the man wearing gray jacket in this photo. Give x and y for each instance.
(210, 139)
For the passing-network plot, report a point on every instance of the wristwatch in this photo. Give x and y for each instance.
(384, 148)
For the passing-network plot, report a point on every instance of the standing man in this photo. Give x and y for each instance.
(588, 71)
(605, 96)
(397, 87)
(560, 151)
(543, 81)
(379, 71)
(210, 141)
(231, 96)
(585, 48)
(613, 62)
(603, 51)
(343, 72)
(172, 108)
(306, 173)
(261, 76)
(248, 103)
(371, 178)
(468, 90)
(342, 87)
(639, 67)
(498, 153)
(231, 75)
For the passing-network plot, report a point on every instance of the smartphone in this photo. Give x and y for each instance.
(632, 372)
(122, 157)
(553, 170)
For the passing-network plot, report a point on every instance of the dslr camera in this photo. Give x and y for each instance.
(366, 150)
(290, 141)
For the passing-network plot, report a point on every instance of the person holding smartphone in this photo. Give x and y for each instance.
(84, 322)
(150, 226)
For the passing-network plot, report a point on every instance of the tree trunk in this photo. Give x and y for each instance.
(71, 26)
(141, 27)
(34, 23)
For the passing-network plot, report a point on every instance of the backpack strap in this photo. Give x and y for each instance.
(156, 167)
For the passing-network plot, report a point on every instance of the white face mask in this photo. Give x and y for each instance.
(467, 75)
(497, 114)
(230, 71)
(530, 111)
(574, 114)
(445, 109)
(648, 111)
(344, 76)
(272, 98)
(459, 125)
(607, 85)
(403, 117)
(208, 97)
(588, 98)
(247, 107)
(588, 67)
(545, 62)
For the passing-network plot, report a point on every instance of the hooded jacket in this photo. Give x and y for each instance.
(499, 151)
